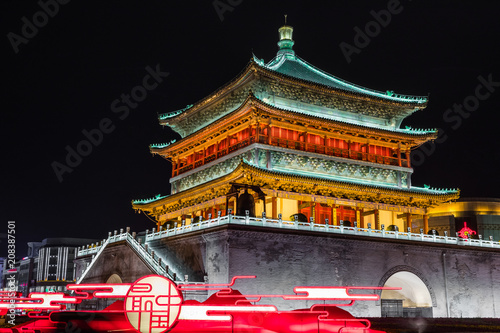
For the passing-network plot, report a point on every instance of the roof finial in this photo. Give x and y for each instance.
(286, 42)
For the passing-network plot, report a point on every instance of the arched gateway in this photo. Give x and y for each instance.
(414, 299)
(114, 278)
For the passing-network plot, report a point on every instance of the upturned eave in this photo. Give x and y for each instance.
(245, 173)
(254, 70)
(252, 102)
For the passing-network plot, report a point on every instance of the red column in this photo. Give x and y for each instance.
(359, 217)
(274, 208)
(317, 213)
(377, 219)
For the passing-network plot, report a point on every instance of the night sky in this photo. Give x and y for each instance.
(65, 77)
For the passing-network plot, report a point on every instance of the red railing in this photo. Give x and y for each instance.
(339, 152)
(292, 144)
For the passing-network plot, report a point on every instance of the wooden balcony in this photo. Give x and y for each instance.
(290, 144)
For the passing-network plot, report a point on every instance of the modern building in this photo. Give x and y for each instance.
(27, 269)
(5, 272)
(54, 265)
(48, 267)
(480, 215)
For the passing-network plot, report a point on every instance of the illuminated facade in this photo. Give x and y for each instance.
(294, 142)
(300, 178)
(48, 267)
(481, 215)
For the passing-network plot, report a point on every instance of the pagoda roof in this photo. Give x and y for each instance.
(360, 124)
(303, 183)
(294, 67)
(287, 72)
(289, 80)
(314, 117)
(289, 64)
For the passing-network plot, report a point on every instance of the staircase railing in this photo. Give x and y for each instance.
(92, 262)
(147, 256)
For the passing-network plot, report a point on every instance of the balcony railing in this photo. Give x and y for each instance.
(321, 228)
(292, 144)
(157, 265)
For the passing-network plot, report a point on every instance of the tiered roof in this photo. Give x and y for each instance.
(420, 197)
(290, 83)
(414, 136)
(291, 89)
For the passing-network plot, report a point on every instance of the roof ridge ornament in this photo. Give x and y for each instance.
(286, 42)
